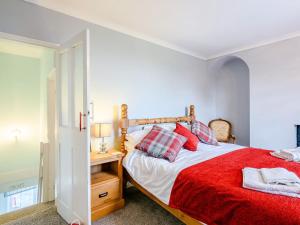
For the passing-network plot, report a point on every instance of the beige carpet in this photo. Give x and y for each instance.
(139, 210)
(41, 214)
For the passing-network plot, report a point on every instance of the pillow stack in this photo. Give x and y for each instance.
(163, 143)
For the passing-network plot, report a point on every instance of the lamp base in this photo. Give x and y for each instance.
(102, 148)
(102, 151)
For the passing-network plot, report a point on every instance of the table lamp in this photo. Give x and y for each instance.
(102, 130)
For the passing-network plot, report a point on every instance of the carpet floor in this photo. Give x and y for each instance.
(41, 214)
(139, 210)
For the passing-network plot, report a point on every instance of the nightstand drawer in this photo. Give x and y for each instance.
(105, 192)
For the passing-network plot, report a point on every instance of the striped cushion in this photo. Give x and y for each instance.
(204, 133)
(161, 143)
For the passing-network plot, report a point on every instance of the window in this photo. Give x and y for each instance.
(18, 199)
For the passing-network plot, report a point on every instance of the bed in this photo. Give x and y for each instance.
(204, 187)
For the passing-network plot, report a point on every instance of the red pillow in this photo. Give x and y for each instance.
(192, 139)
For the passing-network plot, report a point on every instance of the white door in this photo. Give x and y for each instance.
(73, 138)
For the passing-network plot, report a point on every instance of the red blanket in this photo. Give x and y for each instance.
(212, 192)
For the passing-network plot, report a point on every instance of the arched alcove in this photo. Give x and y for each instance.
(233, 95)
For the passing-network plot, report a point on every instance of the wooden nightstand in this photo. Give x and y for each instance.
(106, 183)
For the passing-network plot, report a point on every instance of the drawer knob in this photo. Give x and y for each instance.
(104, 194)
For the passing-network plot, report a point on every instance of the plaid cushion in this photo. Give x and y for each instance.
(204, 133)
(161, 143)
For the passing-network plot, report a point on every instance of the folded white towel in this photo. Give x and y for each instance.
(291, 154)
(278, 155)
(252, 179)
(288, 154)
(279, 176)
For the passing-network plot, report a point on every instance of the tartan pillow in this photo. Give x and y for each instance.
(204, 133)
(161, 143)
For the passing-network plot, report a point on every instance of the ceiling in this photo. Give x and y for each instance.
(202, 28)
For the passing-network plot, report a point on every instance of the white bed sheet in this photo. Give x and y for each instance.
(157, 176)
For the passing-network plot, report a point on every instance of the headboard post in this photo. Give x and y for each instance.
(124, 116)
(192, 112)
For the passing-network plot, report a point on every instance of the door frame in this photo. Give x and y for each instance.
(14, 37)
(51, 145)
(56, 48)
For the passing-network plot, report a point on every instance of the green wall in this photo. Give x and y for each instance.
(19, 109)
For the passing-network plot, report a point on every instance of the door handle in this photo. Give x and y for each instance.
(81, 126)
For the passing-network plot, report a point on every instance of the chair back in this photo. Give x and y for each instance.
(222, 129)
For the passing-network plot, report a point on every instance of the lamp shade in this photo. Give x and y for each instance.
(100, 130)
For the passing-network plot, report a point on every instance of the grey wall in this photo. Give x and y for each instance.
(20, 109)
(232, 97)
(152, 80)
(274, 93)
(157, 81)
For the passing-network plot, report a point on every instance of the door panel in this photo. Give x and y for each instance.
(73, 187)
(78, 84)
(64, 58)
(65, 179)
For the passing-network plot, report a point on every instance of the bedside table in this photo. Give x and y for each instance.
(106, 183)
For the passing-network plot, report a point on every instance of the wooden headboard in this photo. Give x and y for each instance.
(125, 123)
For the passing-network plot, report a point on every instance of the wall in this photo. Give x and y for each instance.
(20, 109)
(274, 93)
(126, 69)
(152, 80)
(232, 97)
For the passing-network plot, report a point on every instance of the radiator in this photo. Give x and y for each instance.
(298, 135)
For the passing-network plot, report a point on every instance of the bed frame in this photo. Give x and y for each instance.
(125, 123)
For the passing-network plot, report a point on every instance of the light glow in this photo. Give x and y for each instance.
(15, 133)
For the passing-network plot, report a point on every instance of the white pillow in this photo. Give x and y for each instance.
(136, 136)
(167, 126)
(129, 147)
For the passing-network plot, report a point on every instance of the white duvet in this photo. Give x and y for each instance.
(158, 175)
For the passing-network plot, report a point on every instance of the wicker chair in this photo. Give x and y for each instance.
(223, 130)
